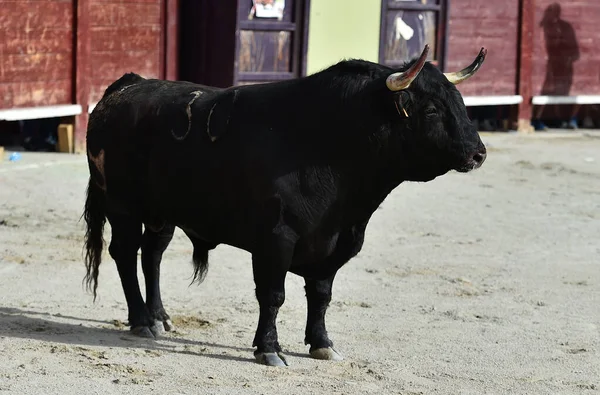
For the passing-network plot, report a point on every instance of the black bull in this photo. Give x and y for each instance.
(289, 171)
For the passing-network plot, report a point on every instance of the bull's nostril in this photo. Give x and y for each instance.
(479, 158)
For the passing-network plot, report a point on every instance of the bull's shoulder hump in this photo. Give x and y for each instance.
(125, 80)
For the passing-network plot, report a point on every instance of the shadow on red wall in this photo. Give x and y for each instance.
(562, 52)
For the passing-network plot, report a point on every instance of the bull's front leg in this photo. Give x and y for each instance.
(318, 293)
(270, 265)
(318, 297)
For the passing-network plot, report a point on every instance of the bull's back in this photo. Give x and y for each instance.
(133, 103)
(129, 127)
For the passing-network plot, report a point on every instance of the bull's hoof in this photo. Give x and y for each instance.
(168, 324)
(153, 331)
(327, 353)
(143, 331)
(157, 328)
(271, 358)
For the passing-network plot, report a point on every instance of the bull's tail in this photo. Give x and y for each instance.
(95, 218)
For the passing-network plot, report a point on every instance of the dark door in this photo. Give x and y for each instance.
(271, 40)
(407, 25)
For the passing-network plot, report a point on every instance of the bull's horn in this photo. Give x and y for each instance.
(459, 76)
(402, 79)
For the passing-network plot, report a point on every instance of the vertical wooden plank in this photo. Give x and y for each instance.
(162, 45)
(382, 30)
(237, 46)
(296, 50)
(82, 70)
(445, 15)
(305, 27)
(171, 39)
(525, 64)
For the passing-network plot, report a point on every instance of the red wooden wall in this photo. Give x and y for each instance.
(583, 77)
(56, 52)
(124, 37)
(37, 47)
(36, 53)
(474, 24)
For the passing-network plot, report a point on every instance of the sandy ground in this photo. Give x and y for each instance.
(485, 283)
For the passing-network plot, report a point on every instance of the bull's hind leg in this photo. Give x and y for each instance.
(318, 297)
(154, 244)
(124, 245)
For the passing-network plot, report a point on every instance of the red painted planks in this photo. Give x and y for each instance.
(28, 15)
(125, 38)
(125, 14)
(36, 53)
(35, 67)
(494, 25)
(46, 40)
(37, 93)
(36, 48)
(124, 1)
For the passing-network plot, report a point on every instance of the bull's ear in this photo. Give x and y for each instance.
(466, 73)
(402, 80)
(404, 98)
(402, 102)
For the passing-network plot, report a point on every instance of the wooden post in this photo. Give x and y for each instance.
(65, 138)
(82, 69)
(525, 64)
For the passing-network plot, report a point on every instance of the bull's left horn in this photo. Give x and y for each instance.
(402, 79)
(466, 73)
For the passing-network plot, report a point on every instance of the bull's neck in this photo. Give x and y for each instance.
(370, 189)
(376, 169)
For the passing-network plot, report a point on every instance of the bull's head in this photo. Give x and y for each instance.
(428, 107)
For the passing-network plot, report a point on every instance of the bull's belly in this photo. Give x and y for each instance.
(314, 251)
(209, 223)
(209, 211)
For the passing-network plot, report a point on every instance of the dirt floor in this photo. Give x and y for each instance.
(481, 283)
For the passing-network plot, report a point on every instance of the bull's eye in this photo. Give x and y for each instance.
(430, 111)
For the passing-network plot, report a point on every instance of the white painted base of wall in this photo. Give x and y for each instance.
(471, 101)
(18, 114)
(581, 99)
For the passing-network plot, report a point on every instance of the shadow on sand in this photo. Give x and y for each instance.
(34, 325)
(24, 324)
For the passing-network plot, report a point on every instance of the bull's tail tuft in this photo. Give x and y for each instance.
(95, 218)
(200, 260)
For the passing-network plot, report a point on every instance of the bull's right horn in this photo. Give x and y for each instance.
(402, 79)
(466, 73)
